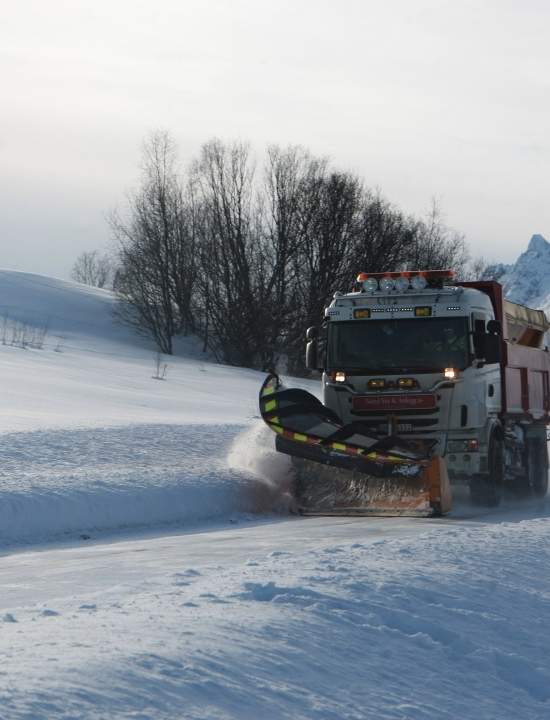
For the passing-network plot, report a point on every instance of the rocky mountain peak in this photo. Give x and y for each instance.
(538, 244)
(527, 281)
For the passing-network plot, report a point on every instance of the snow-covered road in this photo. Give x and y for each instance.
(317, 618)
(91, 566)
(97, 567)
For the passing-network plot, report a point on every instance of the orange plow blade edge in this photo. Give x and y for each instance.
(327, 490)
(344, 469)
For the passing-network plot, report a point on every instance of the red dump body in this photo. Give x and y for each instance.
(525, 361)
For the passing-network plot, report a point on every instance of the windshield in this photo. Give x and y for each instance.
(426, 344)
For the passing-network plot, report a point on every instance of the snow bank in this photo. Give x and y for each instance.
(68, 482)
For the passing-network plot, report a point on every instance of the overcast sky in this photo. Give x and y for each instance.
(422, 98)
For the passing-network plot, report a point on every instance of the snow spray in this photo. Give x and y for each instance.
(253, 452)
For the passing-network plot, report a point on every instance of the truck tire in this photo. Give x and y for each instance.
(486, 489)
(537, 466)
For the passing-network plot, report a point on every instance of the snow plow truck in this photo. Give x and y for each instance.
(426, 382)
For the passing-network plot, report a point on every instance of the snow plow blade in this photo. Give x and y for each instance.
(344, 469)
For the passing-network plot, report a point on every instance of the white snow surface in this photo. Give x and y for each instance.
(149, 567)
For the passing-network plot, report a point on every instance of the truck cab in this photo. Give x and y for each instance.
(418, 356)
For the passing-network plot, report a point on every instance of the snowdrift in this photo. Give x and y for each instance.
(65, 483)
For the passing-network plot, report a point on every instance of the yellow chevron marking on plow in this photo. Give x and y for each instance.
(300, 437)
(271, 405)
(392, 458)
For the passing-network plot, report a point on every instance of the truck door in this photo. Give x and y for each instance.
(486, 388)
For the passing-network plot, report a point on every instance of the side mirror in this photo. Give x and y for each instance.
(487, 347)
(315, 349)
(311, 355)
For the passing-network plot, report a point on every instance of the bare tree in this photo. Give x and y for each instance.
(248, 263)
(228, 251)
(436, 246)
(269, 254)
(329, 231)
(475, 269)
(91, 268)
(384, 235)
(281, 200)
(156, 248)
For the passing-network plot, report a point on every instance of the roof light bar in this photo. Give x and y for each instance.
(402, 281)
(407, 273)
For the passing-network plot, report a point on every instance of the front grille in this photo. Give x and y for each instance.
(402, 413)
(406, 421)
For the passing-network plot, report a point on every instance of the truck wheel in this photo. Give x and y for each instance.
(537, 466)
(486, 489)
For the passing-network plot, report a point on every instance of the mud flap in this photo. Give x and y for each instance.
(344, 469)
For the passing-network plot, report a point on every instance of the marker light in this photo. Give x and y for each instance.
(340, 376)
(361, 313)
(450, 373)
(377, 384)
(387, 284)
(370, 284)
(423, 311)
(402, 283)
(418, 282)
(407, 383)
(463, 446)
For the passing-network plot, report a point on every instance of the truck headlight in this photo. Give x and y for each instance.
(418, 282)
(370, 284)
(402, 284)
(387, 284)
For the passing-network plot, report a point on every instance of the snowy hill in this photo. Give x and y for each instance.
(92, 441)
(67, 311)
(527, 281)
(71, 316)
(92, 371)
